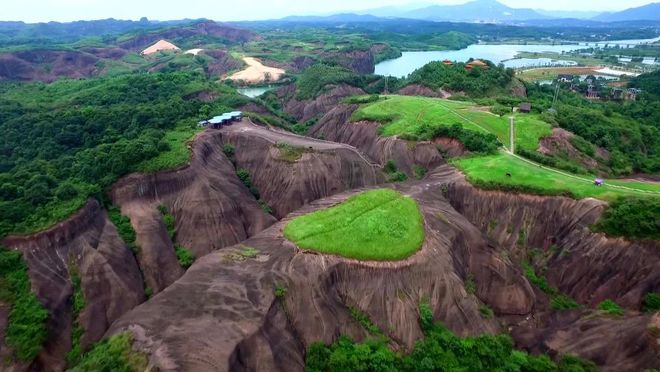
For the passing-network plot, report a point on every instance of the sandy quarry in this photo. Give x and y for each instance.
(257, 73)
(159, 46)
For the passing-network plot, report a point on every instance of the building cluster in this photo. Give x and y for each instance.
(592, 89)
(217, 122)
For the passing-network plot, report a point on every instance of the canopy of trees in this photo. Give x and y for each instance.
(63, 142)
(440, 350)
(476, 82)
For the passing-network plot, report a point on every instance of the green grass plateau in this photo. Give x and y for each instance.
(407, 115)
(494, 168)
(379, 225)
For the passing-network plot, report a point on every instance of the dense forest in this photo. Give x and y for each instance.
(629, 131)
(63, 142)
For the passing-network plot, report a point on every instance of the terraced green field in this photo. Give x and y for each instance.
(377, 225)
(494, 168)
(407, 115)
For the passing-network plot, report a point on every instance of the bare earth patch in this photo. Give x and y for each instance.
(257, 73)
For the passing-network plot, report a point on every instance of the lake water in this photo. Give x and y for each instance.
(505, 53)
(253, 92)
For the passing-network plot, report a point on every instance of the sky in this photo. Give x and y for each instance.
(222, 10)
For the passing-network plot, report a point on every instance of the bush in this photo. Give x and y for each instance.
(500, 110)
(610, 307)
(124, 228)
(398, 177)
(184, 256)
(113, 354)
(486, 143)
(168, 219)
(632, 217)
(26, 328)
(651, 302)
(440, 350)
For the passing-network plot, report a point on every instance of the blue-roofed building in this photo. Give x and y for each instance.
(225, 119)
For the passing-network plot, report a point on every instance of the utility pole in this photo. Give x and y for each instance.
(512, 134)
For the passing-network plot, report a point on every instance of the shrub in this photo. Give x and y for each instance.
(168, 219)
(486, 311)
(26, 328)
(398, 177)
(390, 166)
(651, 302)
(632, 217)
(280, 291)
(500, 110)
(610, 307)
(440, 350)
(184, 256)
(486, 143)
(113, 354)
(364, 321)
(124, 228)
(229, 151)
(244, 175)
(419, 171)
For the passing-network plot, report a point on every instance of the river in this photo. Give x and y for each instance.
(497, 53)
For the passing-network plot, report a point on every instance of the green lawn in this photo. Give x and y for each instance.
(379, 225)
(179, 140)
(407, 114)
(494, 168)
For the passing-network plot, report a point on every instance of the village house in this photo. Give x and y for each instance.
(565, 78)
(525, 107)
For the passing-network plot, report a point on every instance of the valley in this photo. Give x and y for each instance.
(331, 193)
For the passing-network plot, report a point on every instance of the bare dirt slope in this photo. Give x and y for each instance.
(323, 168)
(232, 319)
(336, 126)
(86, 244)
(211, 207)
(223, 314)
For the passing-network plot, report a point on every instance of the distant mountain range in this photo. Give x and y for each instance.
(650, 12)
(492, 11)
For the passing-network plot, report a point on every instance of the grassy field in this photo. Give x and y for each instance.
(406, 115)
(380, 225)
(495, 167)
(550, 73)
(179, 141)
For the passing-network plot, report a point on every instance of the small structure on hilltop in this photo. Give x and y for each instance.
(525, 107)
(159, 46)
(565, 78)
(592, 92)
(217, 122)
(632, 93)
(447, 62)
(476, 63)
(617, 94)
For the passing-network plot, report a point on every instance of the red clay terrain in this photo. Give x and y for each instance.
(223, 314)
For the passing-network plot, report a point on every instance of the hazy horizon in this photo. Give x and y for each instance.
(32, 11)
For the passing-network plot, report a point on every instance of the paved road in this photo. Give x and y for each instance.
(274, 135)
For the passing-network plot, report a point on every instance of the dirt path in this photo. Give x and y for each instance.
(279, 136)
(256, 72)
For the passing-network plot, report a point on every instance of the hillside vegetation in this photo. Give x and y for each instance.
(64, 142)
(439, 350)
(477, 82)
